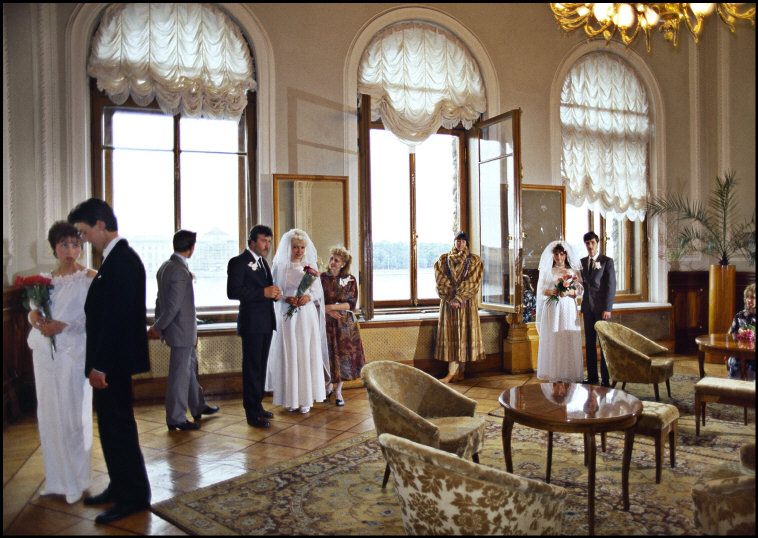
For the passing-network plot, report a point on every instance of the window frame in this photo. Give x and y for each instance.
(601, 229)
(102, 180)
(414, 304)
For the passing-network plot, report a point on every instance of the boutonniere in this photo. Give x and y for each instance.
(596, 265)
(344, 281)
(253, 265)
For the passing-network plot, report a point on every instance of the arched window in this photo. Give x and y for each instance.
(174, 135)
(605, 143)
(424, 88)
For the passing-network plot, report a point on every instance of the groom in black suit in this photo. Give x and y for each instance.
(249, 280)
(599, 277)
(116, 328)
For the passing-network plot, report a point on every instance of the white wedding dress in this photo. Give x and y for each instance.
(559, 356)
(297, 366)
(64, 395)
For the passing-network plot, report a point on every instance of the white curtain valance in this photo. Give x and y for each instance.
(605, 128)
(420, 78)
(190, 57)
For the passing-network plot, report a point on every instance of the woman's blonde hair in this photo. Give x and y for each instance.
(343, 253)
(750, 290)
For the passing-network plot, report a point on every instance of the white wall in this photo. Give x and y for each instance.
(708, 96)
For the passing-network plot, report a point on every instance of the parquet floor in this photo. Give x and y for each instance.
(223, 448)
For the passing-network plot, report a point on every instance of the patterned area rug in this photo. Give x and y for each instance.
(336, 490)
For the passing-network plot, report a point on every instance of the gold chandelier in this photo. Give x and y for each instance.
(628, 20)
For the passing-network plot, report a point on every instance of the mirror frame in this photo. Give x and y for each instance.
(561, 192)
(343, 180)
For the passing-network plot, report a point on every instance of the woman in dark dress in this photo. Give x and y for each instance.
(346, 358)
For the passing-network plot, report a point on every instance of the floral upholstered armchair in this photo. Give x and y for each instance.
(632, 358)
(412, 404)
(725, 497)
(442, 494)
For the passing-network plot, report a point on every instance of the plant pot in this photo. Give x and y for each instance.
(722, 282)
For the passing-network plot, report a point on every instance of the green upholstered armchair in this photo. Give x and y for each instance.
(442, 494)
(725, 497)
(412, 404)
(632, 358)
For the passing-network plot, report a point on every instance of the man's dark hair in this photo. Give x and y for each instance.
(184, 240)
(259, 229)
(462, 235)
(93, 210)
(61, 230)
(591, 235)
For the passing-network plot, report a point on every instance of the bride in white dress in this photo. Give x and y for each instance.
(559, 356)
(64, 395)
(298, 366)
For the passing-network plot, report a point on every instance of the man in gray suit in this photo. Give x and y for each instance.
(176, 324)
(599, 278)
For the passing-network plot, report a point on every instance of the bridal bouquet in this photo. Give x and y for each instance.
(565, 283)
(36, 295)
(745, 334)
(309, 275)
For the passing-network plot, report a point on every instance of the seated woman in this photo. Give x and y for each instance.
(745, 320)
(346, 358)
(298, 365)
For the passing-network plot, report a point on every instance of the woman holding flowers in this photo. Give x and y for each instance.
(743, 328)
(64, 396)
(559, 356)
(298, 366)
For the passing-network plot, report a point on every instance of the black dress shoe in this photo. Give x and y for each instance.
(266, 414)
(104, 497)
(120, 511)
(186, 425)
(209, 410)
(259, 422)
(590, 382)
(605, 384)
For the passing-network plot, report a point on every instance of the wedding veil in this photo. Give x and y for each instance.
(546, 265)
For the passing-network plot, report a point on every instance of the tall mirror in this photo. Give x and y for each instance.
(543, 210)
(316, 204)
(499, 163)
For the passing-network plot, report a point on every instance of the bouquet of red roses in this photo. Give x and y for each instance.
(36, 295)
(565, 283)
(309, 275)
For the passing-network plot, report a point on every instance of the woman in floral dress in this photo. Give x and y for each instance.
(346, 358)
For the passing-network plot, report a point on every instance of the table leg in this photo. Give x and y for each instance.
(549, 455)
(507, 431)
(591, 456)
(628, 444)
(701, 362)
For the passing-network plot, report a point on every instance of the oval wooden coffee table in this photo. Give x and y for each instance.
(724, 344)
(573, 408)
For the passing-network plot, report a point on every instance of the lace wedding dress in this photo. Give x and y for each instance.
(559, 356)
(64, 395)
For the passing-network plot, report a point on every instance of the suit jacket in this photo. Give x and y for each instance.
(599, 286)
(175, 315)
(116, 315)
(256, 312)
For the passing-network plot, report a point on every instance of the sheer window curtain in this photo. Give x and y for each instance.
(191, 58)
(420, 77)
(605, 129)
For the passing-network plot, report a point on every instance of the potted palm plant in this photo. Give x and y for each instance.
(713, 229)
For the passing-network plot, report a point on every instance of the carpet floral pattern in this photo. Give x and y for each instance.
(337, 490)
